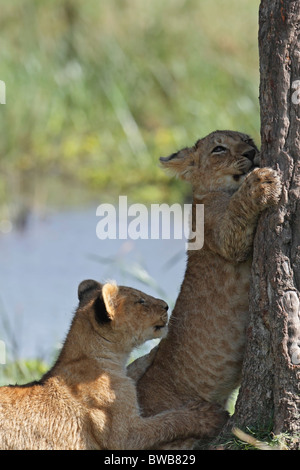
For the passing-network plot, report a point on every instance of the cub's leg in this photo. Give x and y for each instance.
(233, 232)
(205, 419)
(129, 431)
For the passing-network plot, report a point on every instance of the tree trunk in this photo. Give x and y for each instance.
(270, 392)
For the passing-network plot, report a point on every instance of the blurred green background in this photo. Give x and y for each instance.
(97, 90)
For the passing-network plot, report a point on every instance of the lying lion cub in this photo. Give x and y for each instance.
(86, 401)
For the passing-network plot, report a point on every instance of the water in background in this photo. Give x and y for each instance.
(42, 265)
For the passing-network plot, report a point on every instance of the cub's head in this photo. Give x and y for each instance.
(121, 315)
(219, 161)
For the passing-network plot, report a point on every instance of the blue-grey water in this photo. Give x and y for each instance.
(42, 265)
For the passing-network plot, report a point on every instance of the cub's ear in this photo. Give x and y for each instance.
(101, 313)
(170, 157)
(110, 295)
(89, 290)
(86, 288)
(179, 163)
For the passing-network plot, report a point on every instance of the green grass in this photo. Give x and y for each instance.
(261, 439)
(22, 371)
(97, 91)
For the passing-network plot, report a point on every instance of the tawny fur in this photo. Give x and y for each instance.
(86, 401)
(201, 356)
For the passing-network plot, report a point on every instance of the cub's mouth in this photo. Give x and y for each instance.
(254, 157)
(160, 330)
(248, 165)
(162, 324)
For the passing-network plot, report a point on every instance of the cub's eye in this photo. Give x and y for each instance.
(140, 301)
(219, 149)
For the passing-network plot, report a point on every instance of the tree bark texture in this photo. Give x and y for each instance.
(270, 392)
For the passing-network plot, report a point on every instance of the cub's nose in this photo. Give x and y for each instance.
(250, 154)
(165, 306)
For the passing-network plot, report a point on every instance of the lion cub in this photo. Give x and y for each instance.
(86, 401)
(203, 351)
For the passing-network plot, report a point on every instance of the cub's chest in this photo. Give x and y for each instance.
(236, 282)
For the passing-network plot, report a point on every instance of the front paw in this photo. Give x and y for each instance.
(264, 187)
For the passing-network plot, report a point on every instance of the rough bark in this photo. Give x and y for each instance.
(270, 393)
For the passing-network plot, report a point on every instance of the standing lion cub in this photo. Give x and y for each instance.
(201, 357)
(86, 401)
